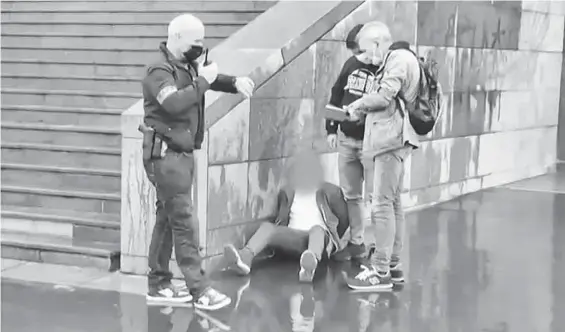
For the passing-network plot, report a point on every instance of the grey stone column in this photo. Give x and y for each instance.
(561, 125)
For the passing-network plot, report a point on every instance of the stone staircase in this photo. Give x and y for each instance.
(69, 68)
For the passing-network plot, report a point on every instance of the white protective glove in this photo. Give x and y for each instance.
(209, 72)
(245, 86)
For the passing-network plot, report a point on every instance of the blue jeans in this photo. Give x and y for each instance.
(387, 215)
(353, 176)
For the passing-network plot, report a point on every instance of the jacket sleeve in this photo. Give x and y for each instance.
(160, 84)
(394, 77)
(224, 83)
(336, 97)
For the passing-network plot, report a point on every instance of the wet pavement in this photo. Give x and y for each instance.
(492, 261)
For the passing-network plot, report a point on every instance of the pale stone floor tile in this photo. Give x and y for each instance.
(8, 263)
(120, 283)
(73, 276)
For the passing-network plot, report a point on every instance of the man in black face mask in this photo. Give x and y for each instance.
(173, 99)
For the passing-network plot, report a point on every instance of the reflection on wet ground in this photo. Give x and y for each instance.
(492, 261)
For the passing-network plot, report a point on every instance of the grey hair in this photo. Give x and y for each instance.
(375, 30)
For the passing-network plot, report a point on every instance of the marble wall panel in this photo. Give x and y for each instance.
(330, 164)
(482, 24)
(554, 7)
(437, 23)
(399, 16)
(279, 126)
(265, 180)
(294, 81)
(424, 197)
(229, 137)
(227, 194)
(525, 109)
(541, 32)
(138, 201)
(442, 161)
(237, 235)
(502, 151)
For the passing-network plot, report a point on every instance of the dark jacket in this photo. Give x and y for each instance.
(183, 108)
(332, 205)
(354, 80)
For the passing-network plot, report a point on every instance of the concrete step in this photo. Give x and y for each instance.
(80, 226)
(85, 56)
(92, 83)
(62, 156)
(60, 135)
(218, 30)
(122, 17)
(60, 250)
(140, 6)
(15, 67)
(63, 116)
(52, 177)
(61, 199)
(108, 42)
(69, 98)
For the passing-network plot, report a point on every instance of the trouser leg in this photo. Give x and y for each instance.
(388, 170)
(317, 241)
(174, 176)
(160, 250)
(351, 175)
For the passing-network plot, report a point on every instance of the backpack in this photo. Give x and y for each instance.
(426, 108)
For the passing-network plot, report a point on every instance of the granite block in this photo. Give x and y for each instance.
(279, 126)
(295, 80)
(265, 64)
(511, 70)
(554, 7)
(316, 30)
(537, 108)
(515, 174)
(548, 71)
(227, 194)
(443, 125)
(481, 24)
(138, 201)
(238, 235)
(399, 16)
(229, 137)
(437, 23)
(445, 58)
(468, 112)
(330, 164)
(265, 180)
(541, 32)
(330, 58)
(472, 69)
(443, 161)
(424, 197)
(502, 151)
(130, 120)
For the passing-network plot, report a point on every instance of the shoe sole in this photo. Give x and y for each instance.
(308, 265)
(164, 300)
(233, 259)
(397, 280)
(216, 306)
(385, 287)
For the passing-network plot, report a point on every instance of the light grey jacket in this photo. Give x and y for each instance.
(386, 127)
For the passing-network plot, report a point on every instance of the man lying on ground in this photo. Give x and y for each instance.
(311, 218)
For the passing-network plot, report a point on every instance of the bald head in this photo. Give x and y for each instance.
(184, 32)
(374, 40)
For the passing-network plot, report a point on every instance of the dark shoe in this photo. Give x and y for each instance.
(351, 251)
(369, 280)
(236, 260)
(168, 295)
(308, 265)
(396, 274)
(211, 299)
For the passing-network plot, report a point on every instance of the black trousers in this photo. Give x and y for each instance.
(175, 226)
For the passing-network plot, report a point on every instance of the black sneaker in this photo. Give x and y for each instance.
(168, 295)
(369, 280)
(351, 251)
(396, 274)
(236, 260)
(308, 265)
(211, 299)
